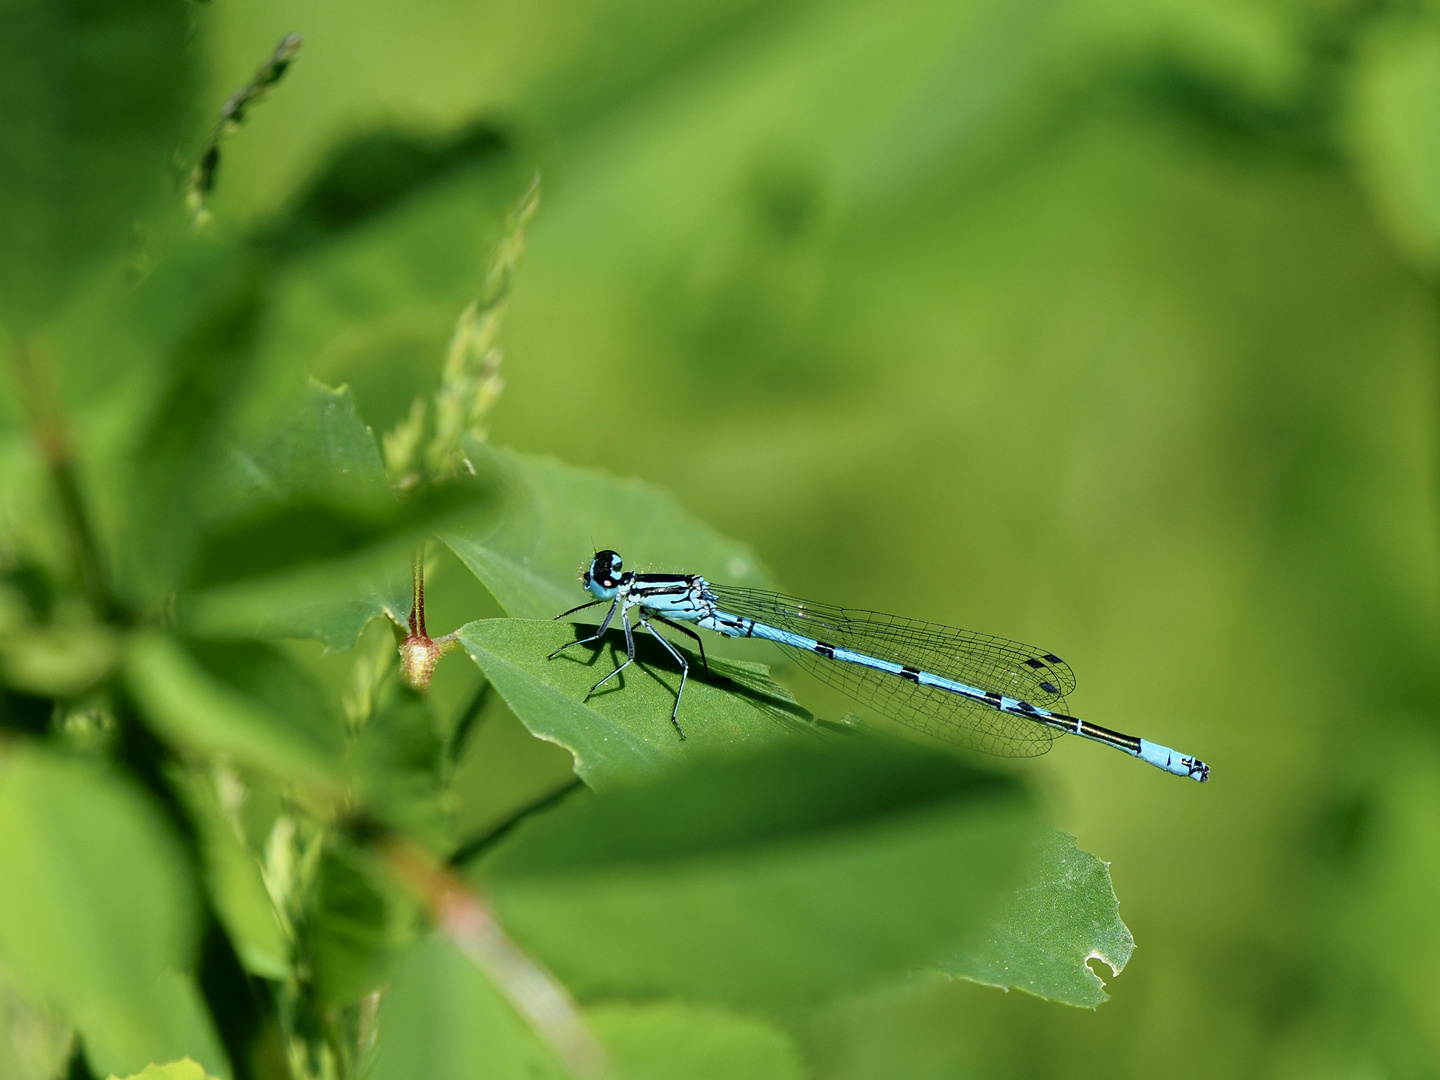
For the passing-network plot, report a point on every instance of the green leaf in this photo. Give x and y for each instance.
(321, 447)
(331, 603)
(1394, 132)
(625, 731)
(239, 698)
(443, 1020)
(375, 303)
(184, 1069)
(554, 517)
(115, 347)
(396, 762)
(313, 543)
(97, 912)
(176, 1023)
(91, 101)
(291, 534)
(802, 871)
(1063, 916)
(351, 947)
(236, 886)
(674, 1039)
(93, 889)
(374, 172)
(177, 458)
(35, 1041)
(61, 659)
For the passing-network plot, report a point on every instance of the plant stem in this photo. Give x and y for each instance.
(419, 654)
(464, 918)
(475, 846)
(417, 605)
(52, 439)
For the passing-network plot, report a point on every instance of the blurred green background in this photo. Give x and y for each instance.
(1108, 326)
(1111, 327)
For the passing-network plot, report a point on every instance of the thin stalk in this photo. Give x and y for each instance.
(468, 922)
(417, 592)
(418, 653)
(479, 844)
(52, 440)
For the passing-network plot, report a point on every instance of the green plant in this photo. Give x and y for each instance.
(218, 844)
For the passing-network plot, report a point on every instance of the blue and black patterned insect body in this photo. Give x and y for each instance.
(986, 693)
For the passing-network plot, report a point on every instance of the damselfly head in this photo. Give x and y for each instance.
(603, 576)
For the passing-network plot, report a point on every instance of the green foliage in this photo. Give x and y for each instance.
(193, 801)
(1067, 321)
(36, 1040)
(770, 881)
(92, 102)
(398, 761)
(1048, 930)
(97, 911)
(1395, 131)
(447, 1018)
(308, 514)
(351, 944)
(654, 1040)
(235, 883)
(184, 1069)
(624, 731)
(238, 699)
(70, 821)
(529, 561)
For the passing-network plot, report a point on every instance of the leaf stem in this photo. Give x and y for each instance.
(477, 844)
(466, 724)
(417, 592)
(418, 653)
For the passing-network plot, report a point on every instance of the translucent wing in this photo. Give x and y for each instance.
(993, 664)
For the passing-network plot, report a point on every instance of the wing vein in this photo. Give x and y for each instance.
(992, 664)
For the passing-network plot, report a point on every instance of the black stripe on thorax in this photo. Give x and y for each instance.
(674, 590)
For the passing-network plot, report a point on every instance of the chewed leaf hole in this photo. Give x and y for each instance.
(1094, 962)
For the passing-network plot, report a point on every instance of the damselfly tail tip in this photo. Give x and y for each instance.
(1172, 761)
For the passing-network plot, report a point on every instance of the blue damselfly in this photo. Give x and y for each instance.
(987, 693)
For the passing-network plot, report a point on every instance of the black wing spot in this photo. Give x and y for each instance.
(1049, 688)
(1025, 706)
(1036, 664)
(1052, 658)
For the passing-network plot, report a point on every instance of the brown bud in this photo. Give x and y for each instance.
(419, 655)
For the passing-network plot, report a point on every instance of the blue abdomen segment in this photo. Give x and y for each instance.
(1162, 757)
(1172, 761)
